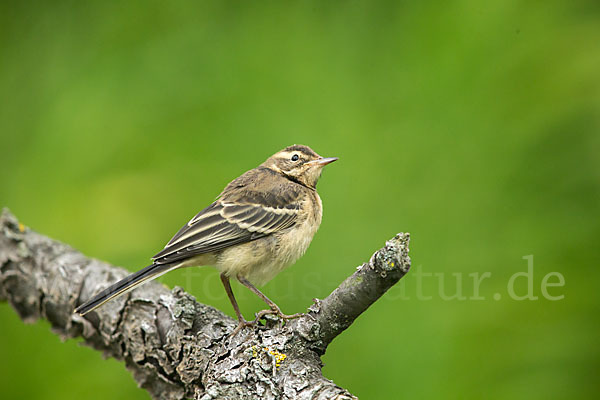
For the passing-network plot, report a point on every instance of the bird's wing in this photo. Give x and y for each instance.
(224, 224)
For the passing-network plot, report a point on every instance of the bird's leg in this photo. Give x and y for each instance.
(242, 323)
(274, 308)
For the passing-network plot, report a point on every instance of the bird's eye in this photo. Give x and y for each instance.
(295, 157)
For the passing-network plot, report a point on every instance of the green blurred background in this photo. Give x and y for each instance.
(473, 125)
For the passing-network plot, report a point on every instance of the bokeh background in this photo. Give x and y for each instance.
(473, 125)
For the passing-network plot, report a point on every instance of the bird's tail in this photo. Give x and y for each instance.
(125, 285)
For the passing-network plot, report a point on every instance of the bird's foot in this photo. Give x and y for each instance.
(276, 311)
(242, 323)
(292, 316)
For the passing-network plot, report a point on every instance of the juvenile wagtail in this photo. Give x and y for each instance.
(261, 222)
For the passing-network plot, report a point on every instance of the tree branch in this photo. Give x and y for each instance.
(175, 347)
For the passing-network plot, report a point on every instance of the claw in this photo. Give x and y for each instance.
(274, 308)
(241, 325)
(277, 311)
(260, 315)
(293, 316)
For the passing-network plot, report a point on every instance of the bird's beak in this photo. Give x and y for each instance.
(323, 161)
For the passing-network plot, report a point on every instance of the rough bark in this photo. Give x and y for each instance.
(175, 347)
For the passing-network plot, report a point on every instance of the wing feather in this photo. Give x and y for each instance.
(224, 224)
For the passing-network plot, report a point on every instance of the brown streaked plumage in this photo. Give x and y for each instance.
(262, 222)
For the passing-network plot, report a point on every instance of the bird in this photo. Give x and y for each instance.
(262, 222)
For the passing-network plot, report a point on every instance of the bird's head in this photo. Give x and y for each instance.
(299, 163)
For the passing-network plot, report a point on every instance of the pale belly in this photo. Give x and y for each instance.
(260, 260)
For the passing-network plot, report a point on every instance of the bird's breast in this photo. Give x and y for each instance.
(260, 260)
(294, 242)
